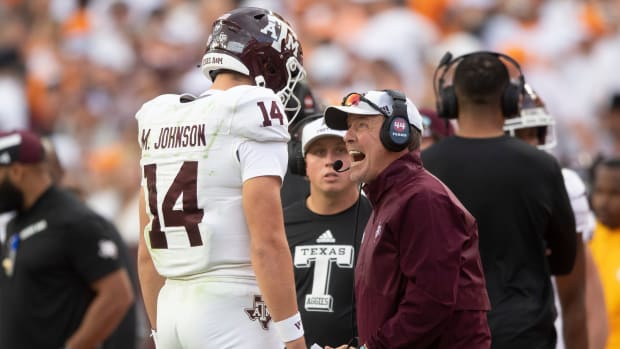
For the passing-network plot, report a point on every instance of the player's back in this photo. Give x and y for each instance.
(193, 179)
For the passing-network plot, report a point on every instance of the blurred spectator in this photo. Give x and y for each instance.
(396, 35)
(610, 122)
(14, 108)
(606, 241)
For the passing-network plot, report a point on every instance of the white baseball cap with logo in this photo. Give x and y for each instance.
(369, 103)
(314, 130)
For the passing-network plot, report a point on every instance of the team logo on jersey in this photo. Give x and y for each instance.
(378, 231)
(259, 312)
(323, 257)
(326, 238)
(107, 249)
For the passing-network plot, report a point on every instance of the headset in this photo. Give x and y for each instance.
(296, 162)
(446, 100)
(395, 131)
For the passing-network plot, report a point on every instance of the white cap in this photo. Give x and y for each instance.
(336, 116)
(315, 130)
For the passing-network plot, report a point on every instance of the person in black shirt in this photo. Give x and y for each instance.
(515, 192)
(324, 231)
(62, 284)
(127, 335)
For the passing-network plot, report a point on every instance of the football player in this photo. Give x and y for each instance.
(214, 263)
(580, 294)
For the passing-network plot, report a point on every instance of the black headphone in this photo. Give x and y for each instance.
(395, 132)
(446, 101)
(296, 162)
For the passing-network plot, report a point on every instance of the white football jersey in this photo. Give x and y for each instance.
(576, 189)
(195, 157)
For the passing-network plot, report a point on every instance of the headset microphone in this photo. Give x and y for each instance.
(447, 58)
(337, 165)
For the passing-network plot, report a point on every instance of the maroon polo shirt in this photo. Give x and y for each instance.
(419, 281)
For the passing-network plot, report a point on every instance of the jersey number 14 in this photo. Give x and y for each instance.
(189, 217)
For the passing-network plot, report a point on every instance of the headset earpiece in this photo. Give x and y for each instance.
(447, 106)
(395, 131)
(296, 162)
(510, 100)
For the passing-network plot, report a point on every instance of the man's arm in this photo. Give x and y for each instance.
(269, 251)
(598, 328)
(150, 281)
(571, 292)
(113, 298)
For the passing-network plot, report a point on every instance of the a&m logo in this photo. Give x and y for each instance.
(378, 231)
(259, 312)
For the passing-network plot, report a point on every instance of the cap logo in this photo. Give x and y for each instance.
(5, 158)
(10, 141)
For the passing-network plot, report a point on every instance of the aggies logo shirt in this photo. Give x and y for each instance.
(325, 255)
(323, 249)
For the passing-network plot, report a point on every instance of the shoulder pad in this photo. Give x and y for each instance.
(157, 105)
(258, 114)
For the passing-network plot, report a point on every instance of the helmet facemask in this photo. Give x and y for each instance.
(533, 114)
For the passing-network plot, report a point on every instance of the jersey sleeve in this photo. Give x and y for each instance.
(259, 115)
(262, 159)
(576, 190)
(93, 252)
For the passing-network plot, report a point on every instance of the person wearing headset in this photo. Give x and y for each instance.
(515, 191)
(418, 279)
(324, 231)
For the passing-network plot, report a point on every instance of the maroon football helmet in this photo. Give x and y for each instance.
(258, 43)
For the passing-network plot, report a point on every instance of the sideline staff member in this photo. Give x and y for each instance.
(418, 280)
(62, 284)
(324, 232)
(516, 193)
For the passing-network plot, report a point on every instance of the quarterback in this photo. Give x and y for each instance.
(213, 259)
